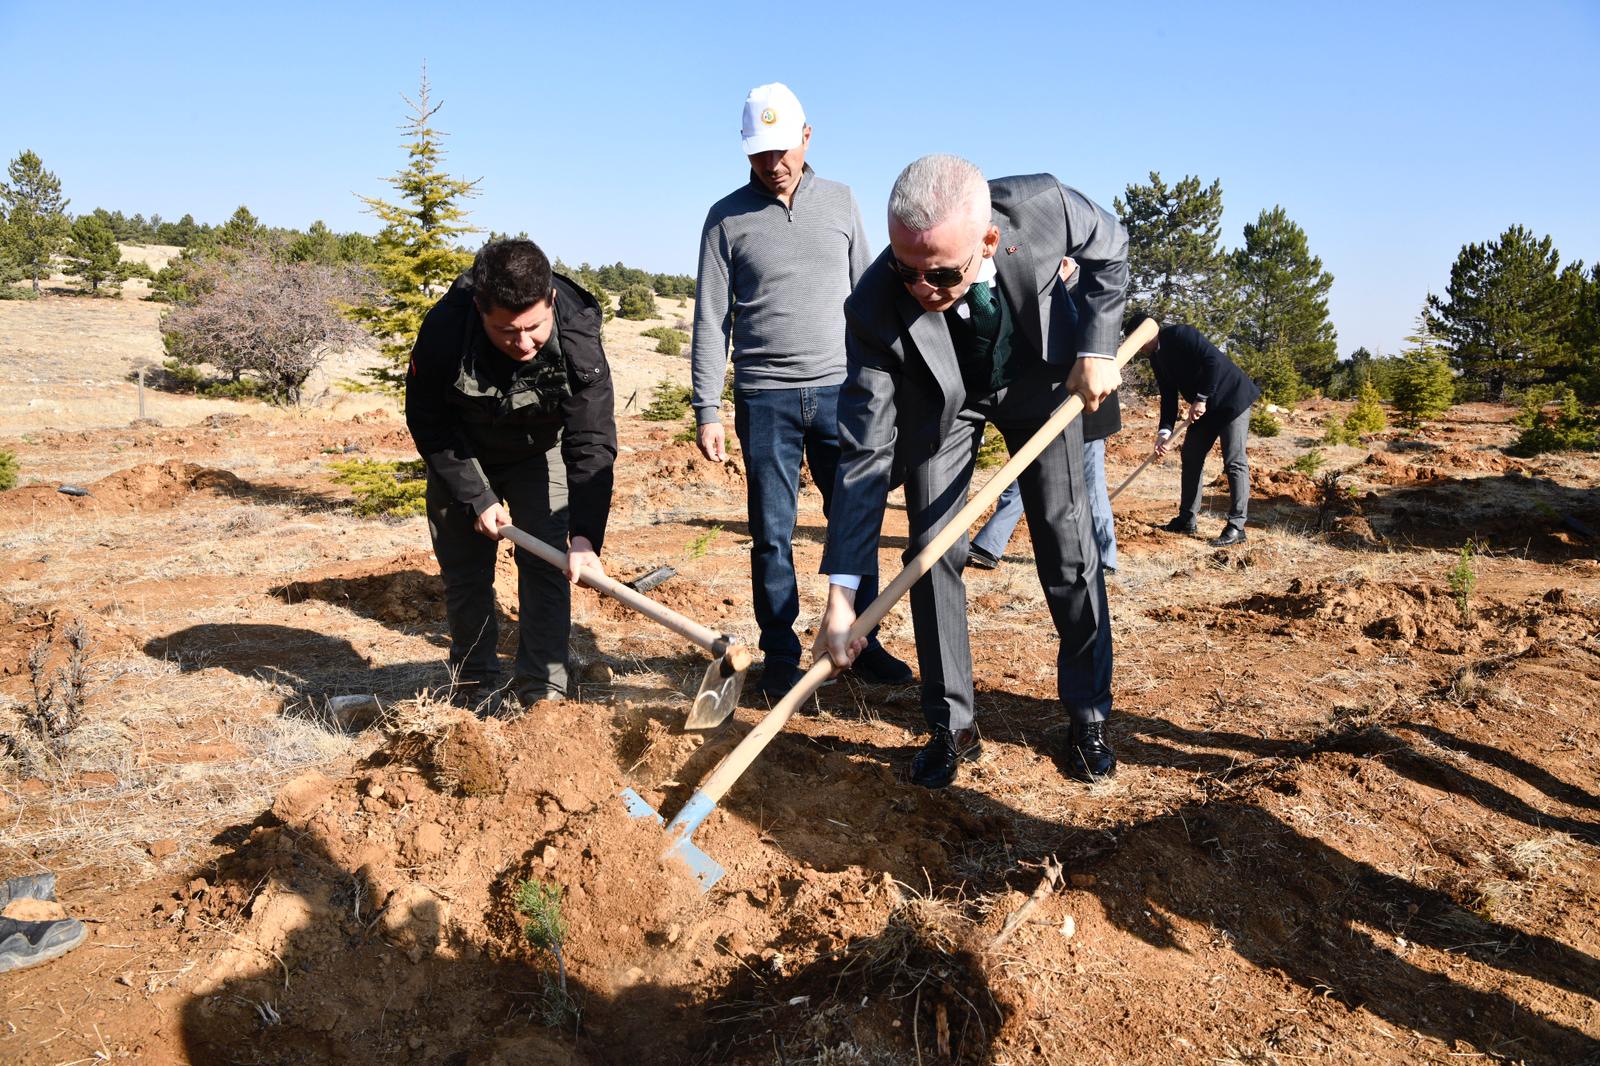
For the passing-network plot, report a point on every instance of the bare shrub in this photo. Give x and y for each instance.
(56, 709)
(265, 316)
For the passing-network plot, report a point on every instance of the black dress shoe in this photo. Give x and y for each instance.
(1231, 534)
(1087, 755)
(979, 559)
(935, 765)
(1181, 525)
(876, 665)
(778, 676)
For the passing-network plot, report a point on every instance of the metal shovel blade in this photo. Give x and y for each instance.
(706, 870)
(718, 695)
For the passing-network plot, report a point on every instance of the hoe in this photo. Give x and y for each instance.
(719, 689)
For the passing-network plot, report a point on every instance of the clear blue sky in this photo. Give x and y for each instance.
(1392, 132)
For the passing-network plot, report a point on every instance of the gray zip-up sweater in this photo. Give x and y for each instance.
(773, 279)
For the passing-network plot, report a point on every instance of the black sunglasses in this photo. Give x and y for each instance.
(938, 277)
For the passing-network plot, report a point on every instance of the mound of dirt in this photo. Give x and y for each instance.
(405, 590)
(22, 632)
(1288, 485)
(1412, 613)
(147, 487)
(402, 893)
(680, 463)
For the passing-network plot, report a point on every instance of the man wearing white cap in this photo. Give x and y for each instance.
(778, 256)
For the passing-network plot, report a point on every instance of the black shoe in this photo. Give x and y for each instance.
(935, 765)
(778, 676)
(979, 559)
(1231, 534)
(1087, 755)
(876, 665)
(25, 944)
(1182, 525)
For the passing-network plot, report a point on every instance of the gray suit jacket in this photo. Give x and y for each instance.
(903, 387)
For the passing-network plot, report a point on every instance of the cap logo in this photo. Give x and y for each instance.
(768, 116)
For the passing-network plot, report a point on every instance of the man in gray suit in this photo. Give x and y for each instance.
(960, 323)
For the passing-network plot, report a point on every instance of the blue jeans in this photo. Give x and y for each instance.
(776, 429)
(996, 533)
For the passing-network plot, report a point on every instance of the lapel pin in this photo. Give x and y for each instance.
(1012, 249)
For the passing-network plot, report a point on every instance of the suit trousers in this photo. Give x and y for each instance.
(535, 490)
(1055, 501)
(1233, 432)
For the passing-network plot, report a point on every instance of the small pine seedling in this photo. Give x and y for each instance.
(1462, 578)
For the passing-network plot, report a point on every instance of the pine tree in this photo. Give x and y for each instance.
(1177, 268)
(93, 254)
(1424, 386)
(1283, 293)
(1583, 335)
(242, 230)
(417, 261)
(36, 216)
(1506, 309)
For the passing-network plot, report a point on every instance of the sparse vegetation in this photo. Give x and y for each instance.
(1569, 427)
(8, 471)
(1264, 424)
(671, 402)
(1308, 462)
(1330, 499)
(56, 708)
(386, 489)
(992, 452)
(1463, 578)
(669, 341)
(701, 544)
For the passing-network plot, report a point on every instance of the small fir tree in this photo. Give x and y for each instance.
(36, 225)
(1366, 417)
(1423, 385)
(417, 258)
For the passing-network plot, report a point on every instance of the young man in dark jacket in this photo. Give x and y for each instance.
(1219, 396)
(509, 400)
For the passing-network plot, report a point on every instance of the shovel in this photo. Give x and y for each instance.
(707, 871)
(719, 689)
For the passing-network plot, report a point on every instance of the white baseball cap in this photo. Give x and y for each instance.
(773, 119)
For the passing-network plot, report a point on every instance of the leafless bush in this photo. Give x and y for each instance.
(57, 706)
(1330, 499)
(263, 315)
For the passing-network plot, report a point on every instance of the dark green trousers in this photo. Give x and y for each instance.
(535, 490)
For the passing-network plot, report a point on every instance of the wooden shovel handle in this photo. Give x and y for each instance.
(717, 783)
(1152, 457)
(712, 641)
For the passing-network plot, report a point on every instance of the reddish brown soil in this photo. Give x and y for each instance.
(1353, 821)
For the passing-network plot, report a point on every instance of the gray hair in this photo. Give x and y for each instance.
(937, 188)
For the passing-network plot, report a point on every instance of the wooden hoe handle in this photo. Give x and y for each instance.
(712, 641)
